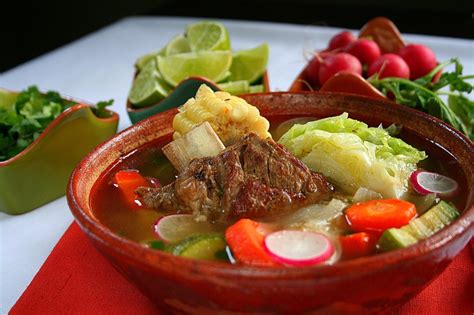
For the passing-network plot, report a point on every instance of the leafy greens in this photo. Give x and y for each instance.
(23, 121)
(354, 155)
(425, 95)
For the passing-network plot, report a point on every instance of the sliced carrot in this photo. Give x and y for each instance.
(128, 181)
(379, 215)
(246, 242)
(358, 244)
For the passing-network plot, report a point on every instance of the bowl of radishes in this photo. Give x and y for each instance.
(379, 64)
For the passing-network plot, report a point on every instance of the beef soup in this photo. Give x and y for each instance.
(256, 203)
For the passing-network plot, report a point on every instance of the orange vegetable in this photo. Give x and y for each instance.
(358, 244)
(246, 243)
(379, 215)
(128, 181)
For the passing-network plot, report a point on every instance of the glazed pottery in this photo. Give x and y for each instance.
(363, 285)
(39, 173)
(184, 91)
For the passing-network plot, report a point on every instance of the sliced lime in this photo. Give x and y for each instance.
(210, 64)
(249, 64)
(225, 78)
(235, 87)
(256, 88)
(207, 36)
(143, 60)
(148, 87)
(177, 45)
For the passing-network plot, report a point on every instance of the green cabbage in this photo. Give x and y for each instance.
(353, 155)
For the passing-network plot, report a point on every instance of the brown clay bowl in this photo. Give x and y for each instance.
(363, 285)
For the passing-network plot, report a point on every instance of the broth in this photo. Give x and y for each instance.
(111, 210)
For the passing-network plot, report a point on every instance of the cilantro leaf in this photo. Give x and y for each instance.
(425, 95)
(24, 121)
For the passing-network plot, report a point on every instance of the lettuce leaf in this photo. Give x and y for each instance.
(353, 155)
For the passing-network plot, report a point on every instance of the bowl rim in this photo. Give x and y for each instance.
(80, 104)
(133, 251)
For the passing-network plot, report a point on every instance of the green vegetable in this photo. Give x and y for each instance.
(429, 223)
(205, 247)
(23, 121)
(100, 109)
(354, 155)
(425, 95)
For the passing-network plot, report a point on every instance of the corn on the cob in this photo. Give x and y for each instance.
(230, 116)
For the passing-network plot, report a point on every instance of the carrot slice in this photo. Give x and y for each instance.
(246, 243)
(128, 181)
(358, 244)
(379, 215)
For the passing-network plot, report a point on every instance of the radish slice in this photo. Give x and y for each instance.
(426, 183)
(298, 248)
(176, 227)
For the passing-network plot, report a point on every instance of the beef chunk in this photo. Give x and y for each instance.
(253, 178)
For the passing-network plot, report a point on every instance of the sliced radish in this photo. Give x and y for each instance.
(298, 248)
(176, 227)
(426, 183)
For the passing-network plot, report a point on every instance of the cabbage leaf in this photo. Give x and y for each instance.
(353, 155)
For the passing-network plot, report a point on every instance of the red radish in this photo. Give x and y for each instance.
(389, 65)
(419, 58)
(176, 227)
(426, 183)
(312, 71)
(341, 40)
(366, 50)
(338, 63)
(298, 248)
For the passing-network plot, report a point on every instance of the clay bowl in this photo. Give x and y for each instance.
(184, 91)
(39, 173)
(363, 285)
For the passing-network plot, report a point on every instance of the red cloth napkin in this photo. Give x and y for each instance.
(76, 279)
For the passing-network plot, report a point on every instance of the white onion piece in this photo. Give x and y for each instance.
(317, 213)
(363, 194)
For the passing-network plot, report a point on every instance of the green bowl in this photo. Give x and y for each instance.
(40, 173)
(184, 91)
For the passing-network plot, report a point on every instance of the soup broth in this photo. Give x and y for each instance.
(111, 209)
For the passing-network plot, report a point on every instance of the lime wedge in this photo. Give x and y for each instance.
(148, 87)
(7, 98)
(226, 77)
(235, 87)
(249, 64)
(143, 60)
(256, 88)
(210, 64)
(207, 36)
(177, 45)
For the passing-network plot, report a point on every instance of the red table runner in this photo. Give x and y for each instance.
(76, 279)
